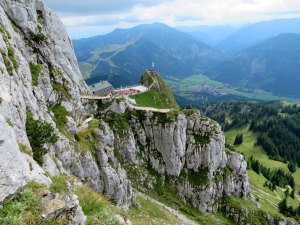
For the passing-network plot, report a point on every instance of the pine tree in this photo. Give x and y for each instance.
(283, 206)
(238, 139)
(292, 167)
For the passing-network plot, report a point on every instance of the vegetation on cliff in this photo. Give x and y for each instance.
(158, 96)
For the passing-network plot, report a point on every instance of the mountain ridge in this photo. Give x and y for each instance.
(173, 51)
(271, 65)
(255, 33)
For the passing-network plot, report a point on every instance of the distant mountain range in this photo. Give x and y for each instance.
(265, 55)
(273, 65)
(210, 35)
(123, 55)
(257, 32)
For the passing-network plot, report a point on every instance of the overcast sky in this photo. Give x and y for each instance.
(85, 18)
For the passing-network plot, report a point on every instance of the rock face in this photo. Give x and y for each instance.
(16, 168)
(190, 149)
(38, 70)
(66, 207)
(241, 217)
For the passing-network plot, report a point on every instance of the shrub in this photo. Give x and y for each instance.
(292, 167)
(39, 37)
(39, 133)
(238, 139)
(60, 116)
(39, 14)
(201, 140)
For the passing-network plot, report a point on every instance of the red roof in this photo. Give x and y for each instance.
(126, 92)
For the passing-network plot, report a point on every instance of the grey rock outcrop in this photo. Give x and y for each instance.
(242, 217)
(16, 168)
(182, 146)
(65, 207)
(116, 184)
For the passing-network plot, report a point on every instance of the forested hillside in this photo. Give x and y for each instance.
(267, 134)
(278, 126)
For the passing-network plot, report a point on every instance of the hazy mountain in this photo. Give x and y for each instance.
(273, 65)
(123, 55)
(210, 35)
(255, 33)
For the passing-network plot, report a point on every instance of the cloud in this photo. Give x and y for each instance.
(107, 15)
(96, 6)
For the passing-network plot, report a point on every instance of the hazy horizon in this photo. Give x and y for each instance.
(97, 17)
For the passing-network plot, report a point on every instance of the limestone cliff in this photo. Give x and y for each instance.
(185, 146)
(39, 79)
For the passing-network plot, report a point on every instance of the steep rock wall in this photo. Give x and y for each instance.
(188, 148)
(39, 70)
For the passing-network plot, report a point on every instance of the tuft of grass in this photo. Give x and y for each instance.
(11, 56)
(95, 207)
(85, 140)
(58, 185)
(25, 208)
(22, 209)
(39, 14)
(24, 149)
(35, 70)
(8, 65)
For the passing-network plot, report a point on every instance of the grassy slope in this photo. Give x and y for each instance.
(151, 98)
(192, 82)
(161, 97)
(99, 209)
(267, 198)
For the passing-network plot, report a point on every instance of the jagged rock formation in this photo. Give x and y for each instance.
(188, 148)
(38, 71)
